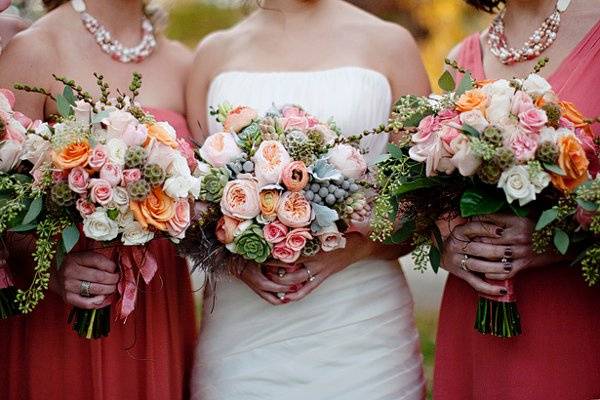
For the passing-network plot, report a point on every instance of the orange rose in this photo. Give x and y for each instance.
(295, 176)
(268, 200)
(164, 133)
(471, 100)
(74, 155)
(156, 210)
(573, 162)
(571, 113)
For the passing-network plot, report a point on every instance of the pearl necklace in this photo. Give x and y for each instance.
(112, 46)
(538, 42)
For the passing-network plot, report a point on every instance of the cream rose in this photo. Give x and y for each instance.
(117, 121)
(240, 199)
(516, 185)
(348, 160)
(220, 149)
(177, 225)
(98, 226)
(83, 111)
(475, 119)
(116, 150)
(134, 234)
(270, 160)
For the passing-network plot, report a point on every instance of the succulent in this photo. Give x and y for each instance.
(213, 184)
(154, 174)
(138, 190)
(62, 195)
(135, 157)
(252, 245)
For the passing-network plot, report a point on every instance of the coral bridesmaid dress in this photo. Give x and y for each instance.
(558, 354)
(149, 357)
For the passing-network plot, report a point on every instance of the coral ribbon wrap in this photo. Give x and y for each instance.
(131, 258)
(509, 285)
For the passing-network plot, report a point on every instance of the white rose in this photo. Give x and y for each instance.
(120, 197)
(348, 160)
(116, 149)
(498, 109)
(516, 185)
(179, 166)
(202, 169)
(464, 159)
(10, 155)
(220, 149)
(99, 227)
(134, 234)
(475, 119)
(117, 121)
(83, 111)
(500, 87)
(331, 239)
(195, 186)
(535, 85)
(548, 134)
(177, 186)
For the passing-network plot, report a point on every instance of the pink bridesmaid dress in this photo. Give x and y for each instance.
(148, 358)
(558, 355)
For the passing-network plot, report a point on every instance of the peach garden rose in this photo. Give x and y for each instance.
(240, 199)
(294, 210)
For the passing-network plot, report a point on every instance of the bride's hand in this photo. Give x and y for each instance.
(253, 276)
(315, 270)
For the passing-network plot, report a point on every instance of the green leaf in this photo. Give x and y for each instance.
(419, 183)
(435, 258)
(35, 208)
(63, 105)
(561, 241)
(546, 218)
(555, 168)
(112, 213)
(60, 255)
(518, 210)
(380, 158)
(404, 233)
(469, 130)
(587, 205)
(97, 118)
(437, 236)
(395, 151)
(467, 83)
(23, 228)
(446, 82)
(68, 95)
(70, 237)
(475, 202)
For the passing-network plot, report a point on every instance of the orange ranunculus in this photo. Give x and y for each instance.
(295, 176)
(268, 200)
(155, 210)
(574, 163)
(73, 155)
(472, 100)
(161, 134)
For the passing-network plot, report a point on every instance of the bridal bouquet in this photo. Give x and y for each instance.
(481, 148)
(108, 170)
(278, 186)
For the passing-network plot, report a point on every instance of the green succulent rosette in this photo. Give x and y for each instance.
(213, 184)
(252, 245)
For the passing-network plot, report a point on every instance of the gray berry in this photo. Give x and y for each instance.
(339, 181)
(317, 199)
(332, 188)
(346, 185)
(353, 188)
(315, 187)
(310, 195)
(340, 194)
(330, 199)
(248, 166)
(323, 192)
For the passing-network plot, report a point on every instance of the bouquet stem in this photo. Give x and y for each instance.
(499, 316)
(90, 324)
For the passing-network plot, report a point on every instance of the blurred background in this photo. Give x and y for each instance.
(437, 25)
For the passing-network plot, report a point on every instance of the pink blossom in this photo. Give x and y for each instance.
(296, 118)
(283, 253)
(297, 238)
(584, 217)
(533, 120)
(78, 180)
(135, 134)
(524, 146)
(188, 152)
(98, 157)
(130, 176)
(427, 127)
(181, 219)
(520, 103)
(100, 191)
(59, 176)
(84, 207)
(111, 173)
(275, 232)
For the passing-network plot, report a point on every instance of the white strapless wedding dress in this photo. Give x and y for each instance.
(354, 338)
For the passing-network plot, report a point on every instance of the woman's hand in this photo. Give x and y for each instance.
(93, 268)
(253, 276)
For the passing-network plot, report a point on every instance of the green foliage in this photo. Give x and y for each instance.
(546, 218)
(561, 240)
(446, 82)
(476, 202)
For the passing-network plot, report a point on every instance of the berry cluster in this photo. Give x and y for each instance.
(330, 192)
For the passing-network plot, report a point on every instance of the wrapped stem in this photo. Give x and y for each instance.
(499, 316)
(90, 324)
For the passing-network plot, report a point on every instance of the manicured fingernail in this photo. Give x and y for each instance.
(499, 231)
(285, 301)
(503, 292)
(508, 252)
(508, 268)
(294, 288)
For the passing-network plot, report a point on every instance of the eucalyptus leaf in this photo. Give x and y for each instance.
(70, 237)
(97, 118)
(324, 216)
(63, 105)
(446, 82)
(380, 158)
(546, 218)
(23, 228)
(561, 241)
(69, 96)
(466, 83)
(475, 202)
(395, 151)
(35, 208)
(555, 169)
(587, 205)
(470, 131)
(323, 171)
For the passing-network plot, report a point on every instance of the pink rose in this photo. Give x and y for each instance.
(565, 123)
(130, 176)
(297, 238)
(220, 149)
(446, 115)
(435, 155)
(331, 239)
(270, 159)
(135, 134)
(533, 120)
(187, 151)
(275, 232)
(584, 217)
(294, 210)
(296, 118)
(284, 254)
(100, 191)
(84, 207)
(240, 199)
(523, 145)
(177, 225)
(427, 127)
(239, 118)
(59, 176)
(97, 157)
(78, 180)
(348, 160)
(520, 103)
(448, 133)
(111, 173)
(226, 229)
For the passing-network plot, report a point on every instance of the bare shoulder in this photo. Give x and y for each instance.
(177, 53)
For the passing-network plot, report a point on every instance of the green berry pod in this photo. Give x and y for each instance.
(138, 190)
(135, 157)
(154, 174)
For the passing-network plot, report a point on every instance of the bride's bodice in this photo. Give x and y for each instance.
(356, 98)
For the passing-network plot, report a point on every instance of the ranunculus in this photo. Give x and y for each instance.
(296, 239)
(83, 111)
(220, 149)
(270, 160)
(536, 86)
(111, 173)
(240, 199)
(10, 155)
(574, 163)
(533, 120)
(135, 134)
(239, 118)
(131, 175)
(348, 160)
(471, 100)
(177, 225)
(164, 133)
(84, 207)
(294, 210)
(101, 191)
(134, 234)
(73, 155)
(97, 157)
(188, 153)
(475, 119)
(331, 239)
(516, 185)
(295, 176)
(116, 150)
(117, 121)
(156, 210)
(78, 180)
(98, 226)
(275, 232)
(464, 159)
(521, 102)
(226, 229)
(268, 200)
(285, 254)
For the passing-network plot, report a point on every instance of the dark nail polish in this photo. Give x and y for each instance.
(508, 252)
(285, 301)
(503, 292)
(499, 231)
(508, 268)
